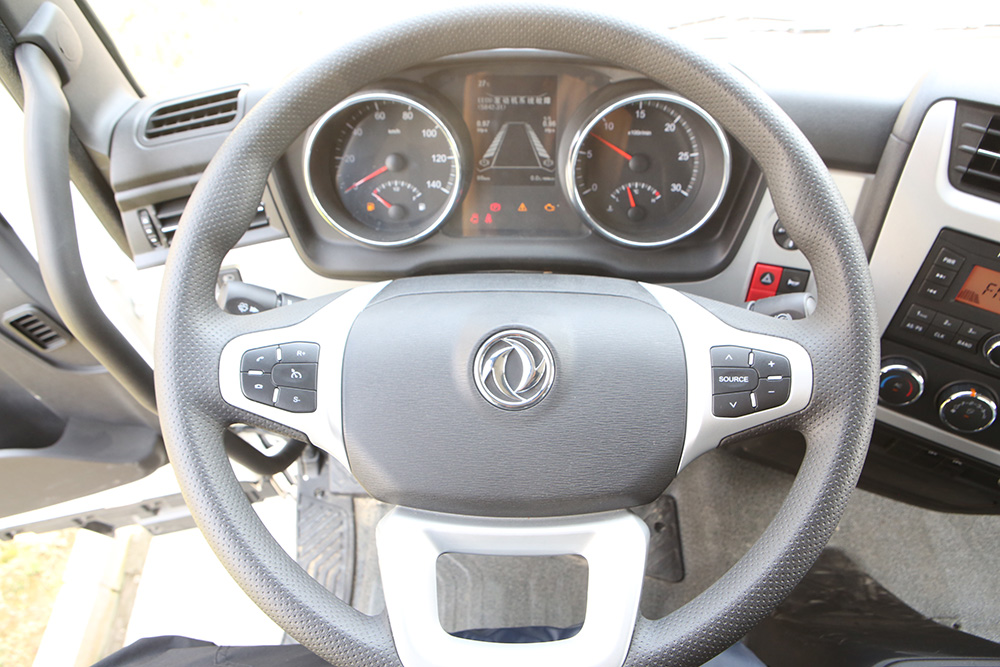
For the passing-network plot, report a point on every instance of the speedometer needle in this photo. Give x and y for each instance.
(612, 147)
(631, 199)
(380, 170)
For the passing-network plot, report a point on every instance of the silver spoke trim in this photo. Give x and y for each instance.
(701, 331)
(329, 328)
(410, 542)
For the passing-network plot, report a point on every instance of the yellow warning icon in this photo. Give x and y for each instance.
(522, 208)
(370, 207)
(550, 207)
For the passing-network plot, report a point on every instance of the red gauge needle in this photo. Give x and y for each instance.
(380, 170)
(381, 200)
(612, 147)
(631, 199)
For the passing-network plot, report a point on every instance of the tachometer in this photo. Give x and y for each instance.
(383, 168)
(648, 169)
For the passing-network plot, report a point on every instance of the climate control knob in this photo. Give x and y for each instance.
(991, 348)
(899, 383)
(967, 408)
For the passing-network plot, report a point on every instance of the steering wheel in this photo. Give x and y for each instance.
(613, 379)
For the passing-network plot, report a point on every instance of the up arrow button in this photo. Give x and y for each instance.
(731, 356)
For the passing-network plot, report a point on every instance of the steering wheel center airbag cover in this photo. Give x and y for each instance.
(607, 434)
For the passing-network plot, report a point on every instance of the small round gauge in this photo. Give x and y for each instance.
(383, 168)
(648, 169)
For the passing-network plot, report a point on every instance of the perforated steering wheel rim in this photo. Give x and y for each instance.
(841, 337)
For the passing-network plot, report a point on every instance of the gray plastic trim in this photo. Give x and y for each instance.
(925, 202)
(701, 330)
(410, 542)
(329, 327)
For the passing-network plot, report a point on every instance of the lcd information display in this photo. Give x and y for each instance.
(981, 290)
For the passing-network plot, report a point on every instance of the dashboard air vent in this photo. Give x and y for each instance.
(167, 216)
(35, 326)
(221, 108)
(975, 151)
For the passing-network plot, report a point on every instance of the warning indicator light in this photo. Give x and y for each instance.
(495, 207)
(489, 219)
(549, 207)
(522, 208)
(474, 218)
(370, 206)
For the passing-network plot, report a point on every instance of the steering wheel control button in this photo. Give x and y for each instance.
(729, 380)
(302, 353)
(514, 369)
(729, 355)
(258, 387)
(772, 392)
(899, 384)
(967, 408)
(769, 365)
(733, 405)
(296, 400)
(782, 238)
(295, 375)
(260, 359)
(949, 259)
(793, 280)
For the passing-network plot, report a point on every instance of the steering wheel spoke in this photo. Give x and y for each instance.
(737, 379)
(291, 374)
(613, 543)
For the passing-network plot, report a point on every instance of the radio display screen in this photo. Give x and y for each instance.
(981, 290)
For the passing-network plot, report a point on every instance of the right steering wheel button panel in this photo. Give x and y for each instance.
(284, 376)
(738, 391)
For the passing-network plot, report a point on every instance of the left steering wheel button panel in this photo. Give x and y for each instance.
(258, 387)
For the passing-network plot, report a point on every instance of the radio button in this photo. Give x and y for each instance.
(941, 336)
(947, 322)
(932, 290)
(950, 259)
(972, 331)
(915, 326)
(941, 276)
(965, 344)
(921, 313)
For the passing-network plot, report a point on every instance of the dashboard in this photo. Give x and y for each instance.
(537, 161)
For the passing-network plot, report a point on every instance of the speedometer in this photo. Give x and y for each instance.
(383, 168)
(648, 169)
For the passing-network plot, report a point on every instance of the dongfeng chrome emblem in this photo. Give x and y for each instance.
(514, 369)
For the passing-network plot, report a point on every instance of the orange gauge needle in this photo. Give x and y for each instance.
(381, 200)
(631, 199)
(612, 147)
(380, 170)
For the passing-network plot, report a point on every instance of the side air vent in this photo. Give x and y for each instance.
(202, 114)
(36, 327)
(975, 151)
(166, 216)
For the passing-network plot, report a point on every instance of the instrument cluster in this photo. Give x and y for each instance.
(474, 152)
